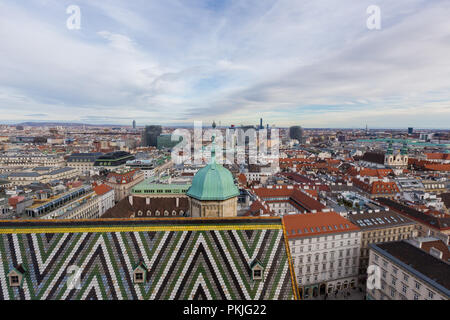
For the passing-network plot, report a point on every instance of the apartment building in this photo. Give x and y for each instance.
(19, 159)
(407, 272)
(377, 227)
(285, 199)
(325, 249)
(41, 175)
(427, 225)
(122, 183)
(83, 162)
(82, 203)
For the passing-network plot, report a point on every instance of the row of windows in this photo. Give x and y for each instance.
(331, 275)
(158, 213)
(386, 232)
(318, 246)
(326, 238)
(396, 274)
(353, 261)
(325, 255)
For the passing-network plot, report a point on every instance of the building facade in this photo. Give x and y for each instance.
(377, 227)
(122, 183)
(407, 273)
(325, 249)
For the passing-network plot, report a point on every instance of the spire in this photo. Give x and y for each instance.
(390, 150)
(404, 150)
(213, 150)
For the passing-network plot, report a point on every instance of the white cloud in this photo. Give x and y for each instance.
(177, 61)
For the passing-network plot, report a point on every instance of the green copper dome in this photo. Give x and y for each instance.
(213, 182)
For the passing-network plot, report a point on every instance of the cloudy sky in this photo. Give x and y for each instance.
(313, 63)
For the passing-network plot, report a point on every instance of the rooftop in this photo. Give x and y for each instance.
(315, 224)
(427, 267)
(186, 258)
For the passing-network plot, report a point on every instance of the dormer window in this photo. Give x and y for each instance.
(257, 270)
(140, 273)
(15, 276)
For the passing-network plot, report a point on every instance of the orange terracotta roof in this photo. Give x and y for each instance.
(242, 179)
(438, 156)
(313, 224)
(437, 167)
(294, 195)
(122, 178)
(377, 187)
(102, 189)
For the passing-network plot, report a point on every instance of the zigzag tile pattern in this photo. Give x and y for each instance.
(184, 264)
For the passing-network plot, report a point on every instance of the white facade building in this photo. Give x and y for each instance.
(325, 249)
(407, 273)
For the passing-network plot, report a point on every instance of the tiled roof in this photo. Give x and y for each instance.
(123, 209)
(297, 197)
(368, 172)
(121, 178)
(437, 167)
(314, 224)
(186, 259)
(434, 222)
(438, 156)
(378, 220)
(102, 189)
(377, 187)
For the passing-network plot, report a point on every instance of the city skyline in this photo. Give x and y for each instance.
(311, 64)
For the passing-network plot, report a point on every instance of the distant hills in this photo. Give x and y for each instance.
(64, 124)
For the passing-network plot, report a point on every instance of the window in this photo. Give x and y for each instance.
(417, 285)
(392, 292)
(14, 280)
(430, 294)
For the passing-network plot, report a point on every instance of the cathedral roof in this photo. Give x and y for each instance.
(185, 258)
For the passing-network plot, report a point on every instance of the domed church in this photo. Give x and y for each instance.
(213, 192)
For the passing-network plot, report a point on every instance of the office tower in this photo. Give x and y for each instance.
(296, 132)
(150, 136)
